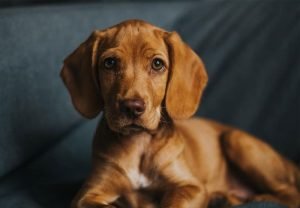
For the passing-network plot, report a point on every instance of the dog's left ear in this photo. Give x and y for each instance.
(78, 74)
(187, 79)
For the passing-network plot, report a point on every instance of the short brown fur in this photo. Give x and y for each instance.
(164, 158)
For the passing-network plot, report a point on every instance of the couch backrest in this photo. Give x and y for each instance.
(251, 50)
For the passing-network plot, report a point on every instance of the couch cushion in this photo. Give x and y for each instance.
(52, 179)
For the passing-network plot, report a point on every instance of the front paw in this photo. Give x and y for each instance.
(91, 204)
(106, 206)
(218, 199)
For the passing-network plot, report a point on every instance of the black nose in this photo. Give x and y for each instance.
(132, 108)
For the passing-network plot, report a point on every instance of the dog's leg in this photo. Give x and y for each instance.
(184, 196)
(181, 189)
(223, 200)
(103, 187)
(269, 173)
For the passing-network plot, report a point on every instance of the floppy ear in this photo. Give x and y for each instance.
(78, 74)
(187, 79)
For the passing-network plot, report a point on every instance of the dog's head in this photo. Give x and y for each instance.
(131, 72)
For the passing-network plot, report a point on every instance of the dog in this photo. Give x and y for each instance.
(147, 150)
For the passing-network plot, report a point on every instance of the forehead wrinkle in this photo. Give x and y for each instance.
(144, 48)
(148, 51)
(128, 31)
(121, 35)
(111, 52)
(121, 42)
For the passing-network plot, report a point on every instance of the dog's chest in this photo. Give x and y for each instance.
(138, 179)
(136, 163)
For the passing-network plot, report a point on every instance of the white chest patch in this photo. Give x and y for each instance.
(138, 179)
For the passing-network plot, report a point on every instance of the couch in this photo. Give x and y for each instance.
(250, 48)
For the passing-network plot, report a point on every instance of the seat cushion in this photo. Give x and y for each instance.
(53, 177)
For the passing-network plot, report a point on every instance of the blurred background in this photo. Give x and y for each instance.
(251, 50)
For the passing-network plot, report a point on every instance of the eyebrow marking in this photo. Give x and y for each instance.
(112, 52)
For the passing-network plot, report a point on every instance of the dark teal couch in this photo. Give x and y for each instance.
(251, 50)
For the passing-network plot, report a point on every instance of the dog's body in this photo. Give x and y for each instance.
(147, 152)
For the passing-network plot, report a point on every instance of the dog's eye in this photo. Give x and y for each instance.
(110, 63)
(158, 64)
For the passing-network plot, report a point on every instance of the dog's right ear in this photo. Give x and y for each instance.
(78, 74)
(187, 79)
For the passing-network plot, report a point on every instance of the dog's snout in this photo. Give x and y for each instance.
(132, 107)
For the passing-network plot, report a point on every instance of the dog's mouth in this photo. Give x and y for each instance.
(134, 127)
(124, 125)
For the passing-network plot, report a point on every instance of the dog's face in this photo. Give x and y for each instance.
(131, 72)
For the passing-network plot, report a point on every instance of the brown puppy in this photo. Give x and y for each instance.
(148, 83)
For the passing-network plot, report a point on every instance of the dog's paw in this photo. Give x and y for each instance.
(264, 197)
(218, 200)
(98, 206)
(107, 206)
(92, 204)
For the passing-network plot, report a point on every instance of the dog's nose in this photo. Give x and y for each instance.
(132, 108)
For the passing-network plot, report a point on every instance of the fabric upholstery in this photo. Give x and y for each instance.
(250, 49)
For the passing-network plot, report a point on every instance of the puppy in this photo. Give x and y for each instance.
(147, 151)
